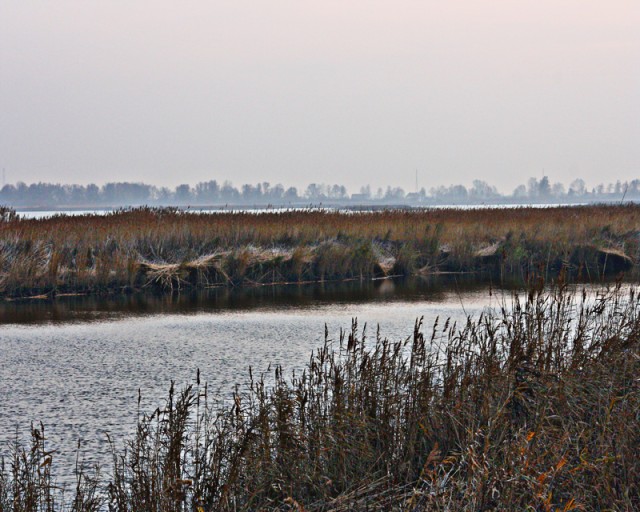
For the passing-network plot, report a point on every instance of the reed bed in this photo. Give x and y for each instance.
(169, 249)
(532, 406)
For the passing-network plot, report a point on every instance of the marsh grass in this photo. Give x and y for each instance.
(27, 482)
(168, 249)
(534, 405)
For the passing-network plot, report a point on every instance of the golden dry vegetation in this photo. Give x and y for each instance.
(170, 249)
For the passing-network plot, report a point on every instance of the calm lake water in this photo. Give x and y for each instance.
(41, 214)
(76, 364)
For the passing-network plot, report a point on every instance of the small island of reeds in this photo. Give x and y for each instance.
(531, 406)
(172, 249)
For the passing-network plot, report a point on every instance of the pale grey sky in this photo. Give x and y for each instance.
(352, 92)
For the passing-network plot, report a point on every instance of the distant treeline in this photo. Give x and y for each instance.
(212, 193)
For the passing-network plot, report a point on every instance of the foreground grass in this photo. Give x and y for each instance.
(534, 406)
(169, 249)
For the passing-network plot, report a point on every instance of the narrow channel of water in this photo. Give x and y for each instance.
(76, 363)
(41, 214)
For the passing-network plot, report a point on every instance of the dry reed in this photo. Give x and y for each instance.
(532, 406)
(170, 249)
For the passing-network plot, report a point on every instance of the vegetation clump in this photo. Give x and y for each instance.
(532, 406)
(170, 249)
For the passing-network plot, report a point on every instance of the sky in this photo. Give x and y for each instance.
(338, 91)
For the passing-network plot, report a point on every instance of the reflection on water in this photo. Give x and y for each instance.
(76, 364)
(300, 297)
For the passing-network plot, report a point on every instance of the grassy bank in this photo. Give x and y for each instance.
(535, 406)
(167, 249)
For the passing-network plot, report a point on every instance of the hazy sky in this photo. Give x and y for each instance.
(342, 91)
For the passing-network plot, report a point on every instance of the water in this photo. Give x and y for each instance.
(42, 214)
(77, 364)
